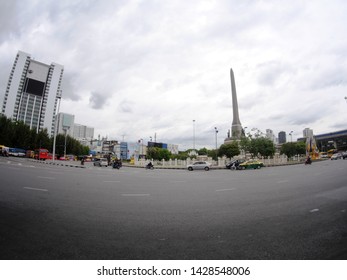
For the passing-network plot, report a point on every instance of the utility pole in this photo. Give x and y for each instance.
(216, 131)
(194, 135)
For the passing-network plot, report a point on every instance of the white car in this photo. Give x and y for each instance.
(202, 165)
(336, 156)
(101, 162)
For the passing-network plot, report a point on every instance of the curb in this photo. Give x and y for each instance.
(59, 164)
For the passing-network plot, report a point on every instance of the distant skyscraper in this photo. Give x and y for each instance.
(282, 138)
(270, 135)
(307, 132)
(32, 92)
(65, 123)
(83, 132)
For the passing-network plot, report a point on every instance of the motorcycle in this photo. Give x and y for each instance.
(308, 161)
(149, 166)
(117, 165)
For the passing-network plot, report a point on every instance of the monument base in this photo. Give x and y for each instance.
(230, 140)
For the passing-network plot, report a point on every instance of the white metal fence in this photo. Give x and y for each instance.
(221, 162)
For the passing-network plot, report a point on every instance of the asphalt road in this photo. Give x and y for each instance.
(55, 212)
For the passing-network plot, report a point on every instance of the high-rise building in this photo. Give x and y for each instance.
(83, 132)
(65, 124)
(307, 132)
(270, 135)
(32, 92)
(282, 137)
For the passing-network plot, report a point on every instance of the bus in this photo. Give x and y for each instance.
(41, 154)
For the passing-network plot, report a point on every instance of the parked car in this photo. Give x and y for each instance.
(251, 164)
(234, 163)
(336, 156)
(344, 155)
(101, 162)
(202, 165)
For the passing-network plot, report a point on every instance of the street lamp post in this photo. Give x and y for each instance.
(65, 129)
(216, 131)
(291, 136)
(55, 127)
(194, 135)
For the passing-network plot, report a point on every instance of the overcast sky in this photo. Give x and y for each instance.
(133, 69)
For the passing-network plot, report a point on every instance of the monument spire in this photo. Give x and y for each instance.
(236, 128)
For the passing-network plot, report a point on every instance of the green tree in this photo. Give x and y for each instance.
(229, 150)
(21, 136)
(289, 149)
(182, 155)
(17, 134)
(245, 143)
(158, 153)
(258, 145)
(6, 127)
(262, 146)
(42, 140)
(293, 148)
(202, 152)
(301, 148)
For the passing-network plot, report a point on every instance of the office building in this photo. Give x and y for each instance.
(65, 124)
(307, 132)
(83, 132)
(282, 137)
(32, 92)
(270, 135)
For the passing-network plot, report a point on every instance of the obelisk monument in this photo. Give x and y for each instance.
(236, 128)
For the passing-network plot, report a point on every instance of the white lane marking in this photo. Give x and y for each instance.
(36, 189)
(111, 181)
(49, 178)
(223, 190)
(178, 181)
(283, 181)
(135, 194)
(314, 210)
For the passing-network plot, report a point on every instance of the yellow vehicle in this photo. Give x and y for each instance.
(323, 155)
(251, 164)
(331, 152)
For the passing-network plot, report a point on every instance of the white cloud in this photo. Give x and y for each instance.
(137, 68)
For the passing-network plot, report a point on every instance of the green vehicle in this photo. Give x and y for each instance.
(251, 164)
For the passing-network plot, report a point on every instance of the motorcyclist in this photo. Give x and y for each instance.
(308, 160)
(235, 165)
(149, 165)
(117, 163)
